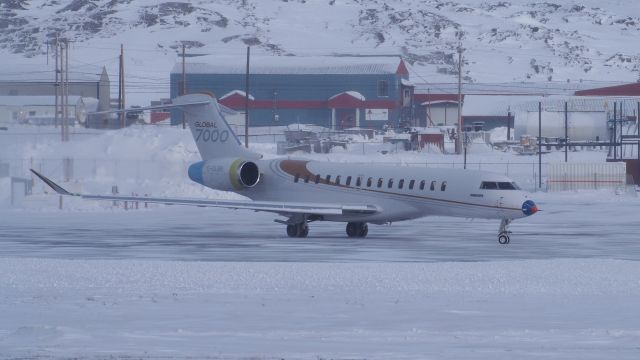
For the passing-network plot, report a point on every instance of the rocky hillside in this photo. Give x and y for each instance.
(515, 40)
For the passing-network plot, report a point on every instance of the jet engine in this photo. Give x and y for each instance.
(225, 174)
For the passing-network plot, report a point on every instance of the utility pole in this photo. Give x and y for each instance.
(246, 102)
(55, 86)
(184, 82)
(62, 75)
(566, 131)
(121, 96)
(540, 145)
(66, 90)
(459, 139)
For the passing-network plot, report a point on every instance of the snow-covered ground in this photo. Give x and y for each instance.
(96, 281)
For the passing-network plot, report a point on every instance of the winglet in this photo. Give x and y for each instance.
(57, 188)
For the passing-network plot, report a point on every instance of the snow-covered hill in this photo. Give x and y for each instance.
(517, 40)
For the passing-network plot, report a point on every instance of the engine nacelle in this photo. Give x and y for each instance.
(225, 174)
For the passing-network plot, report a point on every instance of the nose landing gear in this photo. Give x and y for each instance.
(503, 233)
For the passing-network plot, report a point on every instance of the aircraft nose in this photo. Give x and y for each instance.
(529, 208)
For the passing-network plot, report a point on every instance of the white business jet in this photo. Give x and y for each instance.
(304, 191)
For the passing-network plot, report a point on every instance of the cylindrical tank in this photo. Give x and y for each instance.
(582, 126)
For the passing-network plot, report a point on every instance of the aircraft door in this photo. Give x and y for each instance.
(499, 204)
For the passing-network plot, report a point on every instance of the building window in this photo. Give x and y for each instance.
(422, 184)
(380, 182)
(443, 187)
(390, 183)
(383, 88)
(433, 186)
(358, 181)
(296, 178)
(348, 183)
(317, 178)
(306, 179)
(411, 183)
(401, 184)
(369, 182)
(328, 179)
(338, 180)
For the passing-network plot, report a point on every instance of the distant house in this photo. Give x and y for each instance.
(335, 92)
(436, 109)
(35, 86)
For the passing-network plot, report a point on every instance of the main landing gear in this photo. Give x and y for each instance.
(357, 229)
(503, 233)
(300, 230)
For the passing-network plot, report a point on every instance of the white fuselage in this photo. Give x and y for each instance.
(400, 192)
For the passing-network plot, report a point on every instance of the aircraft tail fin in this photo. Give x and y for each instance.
(211, 132)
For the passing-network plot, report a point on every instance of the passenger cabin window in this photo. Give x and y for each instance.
(338, 180)
(443, 187)
(390, 183)
(422, 184)
(348, 183)
(433, 186)
(411, 183)
(358, 181)
(328, 179)
(369, 182)
(400, 183)
(296, 178)
(380, 182)
(317, 178)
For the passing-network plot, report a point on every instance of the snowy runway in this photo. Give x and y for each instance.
(149, 309)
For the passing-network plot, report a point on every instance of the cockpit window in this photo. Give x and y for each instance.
(506, 186)
(502, 185)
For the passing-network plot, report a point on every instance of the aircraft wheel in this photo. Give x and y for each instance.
(303, 230)
(503, 239)
(352, 229)
(364, 230)
(292, 230)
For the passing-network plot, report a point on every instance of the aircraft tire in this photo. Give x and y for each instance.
(503, 239)
(364, 230)
(352, 229)
(292, 230)
(303, 230)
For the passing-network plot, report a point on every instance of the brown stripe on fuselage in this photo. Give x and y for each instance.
(299, 167)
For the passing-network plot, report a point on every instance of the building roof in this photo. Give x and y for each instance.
(619, 90)
(424, 99)
(295, 65)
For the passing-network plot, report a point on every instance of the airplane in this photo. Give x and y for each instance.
(304, 191)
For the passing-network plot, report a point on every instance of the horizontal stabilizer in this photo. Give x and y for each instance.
(57, 188)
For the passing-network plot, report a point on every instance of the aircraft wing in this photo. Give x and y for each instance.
(268, 206)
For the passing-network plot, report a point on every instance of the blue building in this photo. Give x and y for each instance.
(335, 92)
